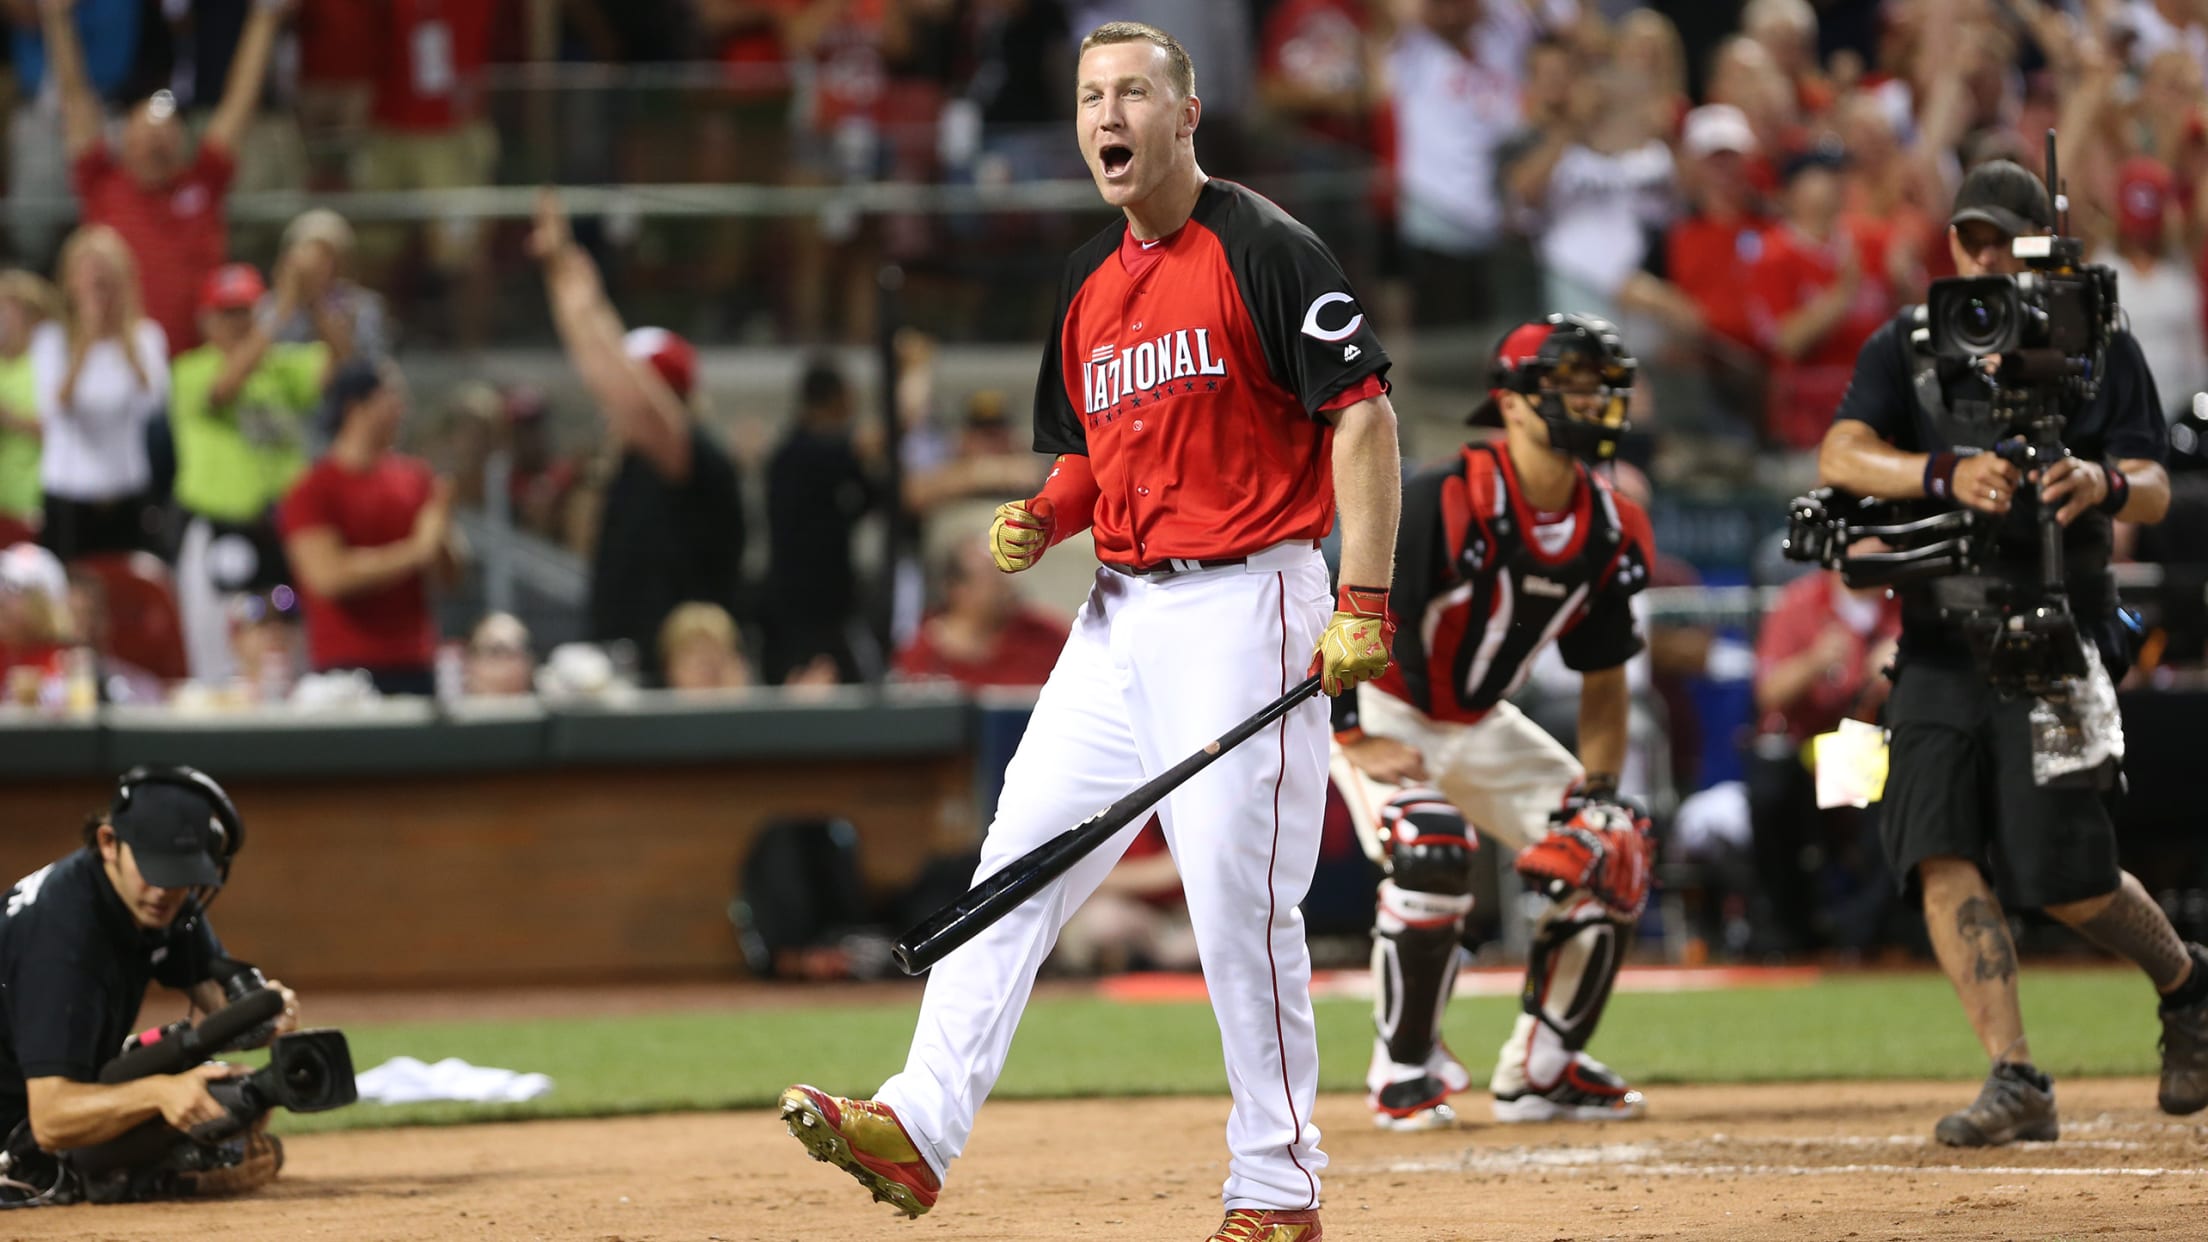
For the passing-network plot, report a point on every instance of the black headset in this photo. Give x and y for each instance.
(229, 829)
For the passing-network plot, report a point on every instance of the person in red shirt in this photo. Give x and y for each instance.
(1709, 254)
(165, 199)
(1820, 289)
(984, 635)
(1210, 389)
(365, 529)
(1821, 656)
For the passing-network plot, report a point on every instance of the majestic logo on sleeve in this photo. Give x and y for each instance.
(1332, 336)
(1146, 371)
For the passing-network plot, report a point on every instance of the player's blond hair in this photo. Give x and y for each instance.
(1180, 71)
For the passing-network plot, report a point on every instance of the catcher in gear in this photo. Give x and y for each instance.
(1512, 545)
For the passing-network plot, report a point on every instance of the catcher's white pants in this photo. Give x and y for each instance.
(1156, 668)
(1506, 774)
(1503, 771)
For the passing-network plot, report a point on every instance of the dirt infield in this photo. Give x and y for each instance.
(1795, 1162)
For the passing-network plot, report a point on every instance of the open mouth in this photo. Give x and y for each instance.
(1115, 158)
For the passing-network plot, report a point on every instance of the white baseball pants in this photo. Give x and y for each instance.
(1155, 668)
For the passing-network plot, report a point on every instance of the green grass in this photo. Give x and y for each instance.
(1877, 1026)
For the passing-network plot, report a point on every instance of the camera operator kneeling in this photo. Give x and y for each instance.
(1934, 412)
(79, 941)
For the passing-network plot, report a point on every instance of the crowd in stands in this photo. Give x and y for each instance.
(209, 489)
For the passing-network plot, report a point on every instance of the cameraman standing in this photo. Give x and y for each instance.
(79, 941)
(1963, 817)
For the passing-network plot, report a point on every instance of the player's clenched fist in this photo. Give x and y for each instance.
(1020, 533)
(1354, 645)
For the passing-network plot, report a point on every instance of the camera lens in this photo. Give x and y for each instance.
(307, 1073)
(1980, 324)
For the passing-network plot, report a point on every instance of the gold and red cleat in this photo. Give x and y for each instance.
(1251, 1225)
(866, 1140)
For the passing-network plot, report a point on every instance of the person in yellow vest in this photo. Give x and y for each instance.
(26, 301)
(240, 407)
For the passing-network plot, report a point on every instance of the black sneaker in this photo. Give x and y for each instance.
(2184, 1088)
(2016, 1104)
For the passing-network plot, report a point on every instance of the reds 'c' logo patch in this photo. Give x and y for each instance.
(1311, 326)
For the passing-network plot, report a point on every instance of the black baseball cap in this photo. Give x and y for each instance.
(2005, 195)
(173, 834)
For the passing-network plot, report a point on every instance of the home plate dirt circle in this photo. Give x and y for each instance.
(1792, 1162)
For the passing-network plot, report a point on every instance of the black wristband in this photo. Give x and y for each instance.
(1939, 474)
(2119, 491)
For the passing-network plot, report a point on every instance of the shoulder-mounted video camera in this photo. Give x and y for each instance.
(307, 1072)
(2050, 324)
(2040, 340)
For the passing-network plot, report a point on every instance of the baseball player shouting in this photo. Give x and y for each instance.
(1212, 390)
(1507, 548)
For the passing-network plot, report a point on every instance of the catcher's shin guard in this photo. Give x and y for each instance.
(1419, 923)
(1414, 969)
(1577, 950)
(1543, 1072)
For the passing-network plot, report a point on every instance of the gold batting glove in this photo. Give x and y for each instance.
(1020, 533)
(1354, 646)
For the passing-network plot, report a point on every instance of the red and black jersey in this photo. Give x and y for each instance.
(1477, 596)
(1192, 372)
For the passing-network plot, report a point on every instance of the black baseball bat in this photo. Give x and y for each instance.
(993, 898)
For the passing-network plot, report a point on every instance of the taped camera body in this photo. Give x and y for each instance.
(307, 1072)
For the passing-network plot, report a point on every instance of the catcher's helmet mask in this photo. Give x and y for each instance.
(1553, 361)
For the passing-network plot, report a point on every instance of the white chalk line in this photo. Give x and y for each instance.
(1644, 1169)
(1658, 1159)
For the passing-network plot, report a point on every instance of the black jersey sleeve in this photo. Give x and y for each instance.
(2136, 426)
(1605, 638)
(1318, 339)
(1057, 424)
(1880, 394)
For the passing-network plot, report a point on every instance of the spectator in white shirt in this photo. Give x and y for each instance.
(1454, 107)
(101, 375)
(1600, 186)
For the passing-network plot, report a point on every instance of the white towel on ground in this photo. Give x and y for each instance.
(404, 1080)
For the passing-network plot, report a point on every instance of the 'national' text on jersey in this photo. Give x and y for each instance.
(1110, 377)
